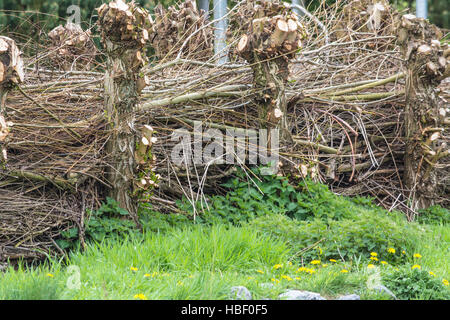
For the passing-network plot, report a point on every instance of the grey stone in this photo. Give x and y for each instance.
(241, 293)
(350, 297)
(300, 295)
(382, 289)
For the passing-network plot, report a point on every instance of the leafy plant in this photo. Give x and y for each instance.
(407, 284)
(434, 215)
(367, 232)
(247, 199)
(109, 221)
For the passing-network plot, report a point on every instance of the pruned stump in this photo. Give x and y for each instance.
(11, 74)
(427, 63)
(273, 37)
(124, 30)
(72, 47)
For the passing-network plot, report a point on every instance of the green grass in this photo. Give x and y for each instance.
(207, 261)
(200, 262)
(176, 258)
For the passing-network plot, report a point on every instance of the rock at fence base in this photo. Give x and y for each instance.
(240, 293)
(383, 289)
(300, 295)
(350, 297)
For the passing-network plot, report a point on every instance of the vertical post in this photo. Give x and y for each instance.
(422, 8)
(426, 65)
(220, 44)
(124, 35)
(272, 39)
(11, 74)
(204, 5)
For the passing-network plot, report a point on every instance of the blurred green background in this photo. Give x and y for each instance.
(17, 15)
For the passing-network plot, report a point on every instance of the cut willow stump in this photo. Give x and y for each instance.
(124, 31)
(272, 38)
(174, 25)
(72, 47)
(427, 64)
(11, 74)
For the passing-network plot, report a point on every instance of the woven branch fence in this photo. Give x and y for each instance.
(342, 77)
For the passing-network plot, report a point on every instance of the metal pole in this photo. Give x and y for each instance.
(298, 3)
(422, 9)
(204, 4)
(220, 10)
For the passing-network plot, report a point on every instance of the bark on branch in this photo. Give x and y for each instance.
(426, 66)
(11, 74)
(124, 29)
(273, 38)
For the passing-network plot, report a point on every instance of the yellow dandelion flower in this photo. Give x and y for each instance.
(445, 282)
(289, 264)
(315, 262)
(286, 277)
(49, 275)
(133, 269)
(374, 258)
(403, 252)
(416, 266)
(147, 275)
(344, 271)
(140, 296)
(391, 250)
(417, 255)
(278, 266)
(324, 265)
(276, 281)
(432, 273)
(374, 254)
(260, 271)
(311, 271)
(301, 269)
(179, 283)
(370, 266)
(333, 260)
(384, 262)
(298, 278)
